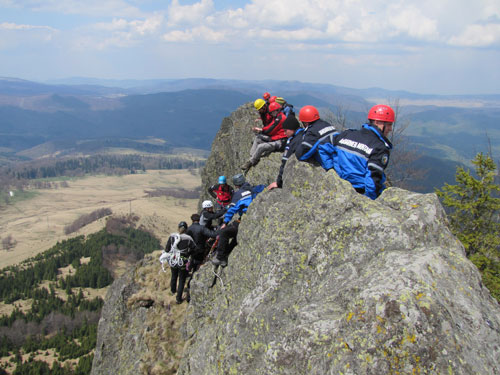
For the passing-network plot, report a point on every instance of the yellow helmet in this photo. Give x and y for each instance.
(259, 103)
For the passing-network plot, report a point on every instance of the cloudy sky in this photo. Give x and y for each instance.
(425, 46)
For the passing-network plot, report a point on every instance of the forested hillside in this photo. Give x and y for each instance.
(54, 318)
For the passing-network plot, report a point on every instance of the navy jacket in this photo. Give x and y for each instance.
(241, 200)
(316, 134)
(360, 157)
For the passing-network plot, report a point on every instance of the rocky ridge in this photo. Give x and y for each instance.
(326, 281)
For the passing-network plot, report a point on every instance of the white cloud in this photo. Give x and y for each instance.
(201, 33)
(96, 8)
(478, 36)
(149, 25)
(15, 26)
(411, 21)
(189, 14)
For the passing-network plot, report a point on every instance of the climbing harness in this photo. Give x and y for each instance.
(173, 257)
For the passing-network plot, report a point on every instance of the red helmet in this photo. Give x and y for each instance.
(266, 96)
(382, 113)
(272, 98)
(308, 113)
(274, 106)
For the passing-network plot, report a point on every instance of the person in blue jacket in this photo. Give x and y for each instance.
(240, 201)
(361, 156)
(317, 133)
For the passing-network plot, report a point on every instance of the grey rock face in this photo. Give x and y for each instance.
(327, 281)
(120, 335)
(323, 281)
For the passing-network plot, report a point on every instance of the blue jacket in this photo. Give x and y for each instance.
(241, 200)
(316, 136)
(360, 157)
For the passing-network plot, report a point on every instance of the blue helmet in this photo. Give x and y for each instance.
(222, 179)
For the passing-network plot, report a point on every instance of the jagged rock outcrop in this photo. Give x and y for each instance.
(139, 329)
(327, 281)
(231, 149)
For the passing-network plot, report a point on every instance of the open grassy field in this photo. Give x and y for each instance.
(37, 222)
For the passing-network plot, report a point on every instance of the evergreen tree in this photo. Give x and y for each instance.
(474, 209)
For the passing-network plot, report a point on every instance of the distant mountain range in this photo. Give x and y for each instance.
(188, 113)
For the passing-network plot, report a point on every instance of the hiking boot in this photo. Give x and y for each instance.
(219, 262)
(246, 167)
(178, 301)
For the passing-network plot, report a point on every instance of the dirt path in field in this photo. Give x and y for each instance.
(38, 223)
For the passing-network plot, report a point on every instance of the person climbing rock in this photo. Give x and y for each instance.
(222, 192)
(293, 131)
(181, 246)
(242, 198)
(200, 234)
(270, 138)
(208, 215)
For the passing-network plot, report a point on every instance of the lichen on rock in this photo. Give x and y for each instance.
(327, 281)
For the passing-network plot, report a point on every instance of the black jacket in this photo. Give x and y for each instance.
(206, 217)
(200, 234)
(315, 132)
(186, 245)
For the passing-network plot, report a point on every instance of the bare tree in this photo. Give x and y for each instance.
(402, 171)
(338, 117)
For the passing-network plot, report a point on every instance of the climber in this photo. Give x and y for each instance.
(292, 130)
(266, 97)
(181, 246)
(270, 138)
(317, 133)
(361, 156)
(287, 108)
(200, 234)
(242, 198)
(262, 106)
(208, 215)
(222, 192)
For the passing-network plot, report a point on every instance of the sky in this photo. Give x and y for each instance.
(425, 46)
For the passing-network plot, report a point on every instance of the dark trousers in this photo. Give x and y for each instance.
(181, 275)
(227, 240)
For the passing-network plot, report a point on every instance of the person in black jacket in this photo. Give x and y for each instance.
(316, 132)
(186, 246)
(208, 215)
(200, 234)
(292, 130)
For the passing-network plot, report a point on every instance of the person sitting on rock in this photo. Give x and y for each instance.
(242, 198)
(262, 106)
(222, 192)
(286, 107)
(208, 215)
(182, 246)
(292, 130)
(317, 133)
(269, 139)
(361, 156)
